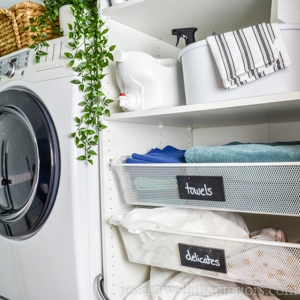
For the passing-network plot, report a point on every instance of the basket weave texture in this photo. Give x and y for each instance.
(23, 11)
(9, 34)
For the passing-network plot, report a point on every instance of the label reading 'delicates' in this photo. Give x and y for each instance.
(209, 259)
(201, 188)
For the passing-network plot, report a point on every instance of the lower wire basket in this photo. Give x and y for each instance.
(273, 265)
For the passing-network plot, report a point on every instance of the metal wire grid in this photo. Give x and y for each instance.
(260, 264)
(257, 188)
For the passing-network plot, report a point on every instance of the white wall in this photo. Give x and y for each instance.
(9, 3)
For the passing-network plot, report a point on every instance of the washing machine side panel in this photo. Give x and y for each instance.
(55, 262)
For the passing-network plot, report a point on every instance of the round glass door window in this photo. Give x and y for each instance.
(29, 173)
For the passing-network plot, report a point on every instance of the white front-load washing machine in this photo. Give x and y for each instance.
(50, 237)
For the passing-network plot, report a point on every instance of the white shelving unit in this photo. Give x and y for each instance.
(274, 108)
(145, 25)
(157, 18)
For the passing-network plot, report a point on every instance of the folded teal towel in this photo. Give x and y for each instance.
(238, 152)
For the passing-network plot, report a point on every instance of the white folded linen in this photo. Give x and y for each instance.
(248, 54)
(137, 220)
(171, 285)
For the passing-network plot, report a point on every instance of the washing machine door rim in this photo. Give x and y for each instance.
(30, 163)
(17, 200)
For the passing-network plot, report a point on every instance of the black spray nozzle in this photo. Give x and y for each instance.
(186, 33)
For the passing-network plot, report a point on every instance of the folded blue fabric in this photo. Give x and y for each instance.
(239, 152)
(168, 154)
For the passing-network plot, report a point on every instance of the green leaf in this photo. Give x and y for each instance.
(33, 29)
(44, 36)
(42, 53)
(88, 89)
(82, 65)
(107, 101)
(81, 157)
(68, 55)
(76, 81)
(76, 69)
(90, 161)
(92, 152)
(112, 48)
(78, 55)
(85, 116)
(71, 63)
(70, 26)
(101, 127)
(104, 31)
(90, 132)
(110, 56)
(82, 103)
(107, 112)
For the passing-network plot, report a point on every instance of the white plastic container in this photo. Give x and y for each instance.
(147, 82)
(65, 17)
(203, 83)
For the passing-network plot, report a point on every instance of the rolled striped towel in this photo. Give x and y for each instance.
(248, 54)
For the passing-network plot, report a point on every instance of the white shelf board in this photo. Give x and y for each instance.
(157, 18)
(256, 110)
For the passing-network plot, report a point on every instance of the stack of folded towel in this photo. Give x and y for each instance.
(168, 154)
(236, 152)
(247, 54)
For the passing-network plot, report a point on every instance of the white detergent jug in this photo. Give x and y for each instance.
(146, 82)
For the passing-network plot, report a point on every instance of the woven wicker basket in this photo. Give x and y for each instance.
(23, 12)
(9, 34)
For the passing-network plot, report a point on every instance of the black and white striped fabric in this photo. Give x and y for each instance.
(247, 54)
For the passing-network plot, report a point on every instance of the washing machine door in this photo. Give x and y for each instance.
(30, 163)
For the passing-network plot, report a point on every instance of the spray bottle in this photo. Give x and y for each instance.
(188, 34)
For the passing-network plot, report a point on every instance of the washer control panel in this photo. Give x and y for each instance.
(17, 61)
(21, 65)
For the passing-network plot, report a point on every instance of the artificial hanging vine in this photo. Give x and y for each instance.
(93, 55)
(89, 56)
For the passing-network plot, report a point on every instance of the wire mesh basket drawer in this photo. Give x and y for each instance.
(273, 265)
(272, 188)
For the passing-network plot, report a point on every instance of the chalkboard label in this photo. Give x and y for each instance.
(201, 188)
(209, 259)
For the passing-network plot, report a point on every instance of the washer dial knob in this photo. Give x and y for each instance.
(9, 69)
